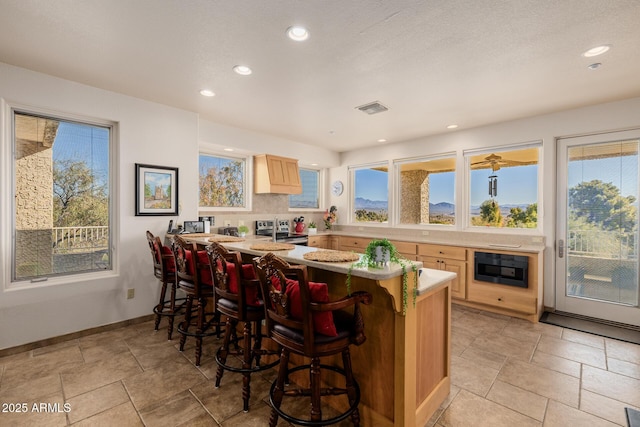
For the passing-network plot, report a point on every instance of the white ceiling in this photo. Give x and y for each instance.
(433, 63)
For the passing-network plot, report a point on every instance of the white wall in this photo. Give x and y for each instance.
(546, 128)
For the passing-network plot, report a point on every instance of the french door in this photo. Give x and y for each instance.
(597, 226)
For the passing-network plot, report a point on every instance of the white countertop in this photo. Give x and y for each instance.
(430, 279)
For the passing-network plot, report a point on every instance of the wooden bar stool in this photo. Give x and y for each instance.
(302, 320)
(238, 298)
(194, 279)
(164, 269)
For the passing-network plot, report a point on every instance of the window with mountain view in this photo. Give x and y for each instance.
(63, 202)
(371, 193)
(310, 196)
(503, 187)
(221, 182)
(426, 190)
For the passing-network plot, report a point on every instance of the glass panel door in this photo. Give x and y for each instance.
(597, 248)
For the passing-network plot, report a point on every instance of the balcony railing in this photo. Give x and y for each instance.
(68, 240)
(603, 244)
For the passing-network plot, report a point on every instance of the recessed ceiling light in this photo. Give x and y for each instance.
(595, 51)
(207, 92)
(314, 164)
(452, 126)
(297, 33)
(594, 66)
(228, 149)
(243, 70)
(382, 140)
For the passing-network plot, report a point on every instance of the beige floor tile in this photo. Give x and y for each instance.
(258, 416)
(559, 415)
(615, 386)
(477, 323)
(603, 407)
(573, 351)
(123, 415)
(522, 401)
(103, 349)
(542, 328)
(55, 347)
(176, 409)
(46, 364)
(471, 376)
(541, 381)
(555, 363)
(504, 345)
(623, 350)
(468, 409)
(204, 420)
(583, 338)
(96, 401)
(99, 373)
(32, 390)
(521, 334)
(624, 368)
(486, 358)
(159, 383)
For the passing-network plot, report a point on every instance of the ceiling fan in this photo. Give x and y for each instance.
(496, 162)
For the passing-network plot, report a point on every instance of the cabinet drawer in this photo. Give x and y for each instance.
(442, 251)
(357, 244)
(501, 296)
(318, 241)
(406, 248)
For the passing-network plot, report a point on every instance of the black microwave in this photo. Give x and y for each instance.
(511, 270)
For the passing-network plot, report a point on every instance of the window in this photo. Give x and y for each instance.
(222, 182)
(504, 187)
(310, 196)
(371, 193)
(62, 215)
(426, 190)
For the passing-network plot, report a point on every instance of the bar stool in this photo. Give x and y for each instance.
(302, 320)
(164, 269)
(238, 298)
(194, 279)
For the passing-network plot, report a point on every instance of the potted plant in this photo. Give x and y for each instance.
(378, 254)
(313, 228)
(243, 230)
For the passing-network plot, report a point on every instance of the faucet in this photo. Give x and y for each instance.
(275, 229)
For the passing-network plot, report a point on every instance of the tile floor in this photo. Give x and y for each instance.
(505, 372)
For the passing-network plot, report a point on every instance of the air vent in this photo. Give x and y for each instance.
(372, 108)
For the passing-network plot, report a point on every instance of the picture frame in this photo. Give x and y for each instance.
(156, 190)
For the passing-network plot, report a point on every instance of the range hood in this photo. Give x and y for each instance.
(275, 174)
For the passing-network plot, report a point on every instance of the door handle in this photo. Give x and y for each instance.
(561, 248)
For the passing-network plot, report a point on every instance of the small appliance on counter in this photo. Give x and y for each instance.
(265, 228)
(193, 227)
(228, 231)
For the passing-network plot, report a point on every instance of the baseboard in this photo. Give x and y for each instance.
(74, 335)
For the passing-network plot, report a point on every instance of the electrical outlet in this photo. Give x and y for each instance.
(425, 233)
(536, 239)
(131, 292)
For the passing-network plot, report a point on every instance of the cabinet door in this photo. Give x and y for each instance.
(459, 284)
(443, 251)
(318, 241)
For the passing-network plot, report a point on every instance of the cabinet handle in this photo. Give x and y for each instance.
(499, 298)
(441, 253)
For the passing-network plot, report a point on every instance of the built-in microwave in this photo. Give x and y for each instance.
(505, 269)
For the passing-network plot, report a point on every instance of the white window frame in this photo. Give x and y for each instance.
(7, 210)
(247, 183)
(467, 154)
(352, 194)
(397, 190)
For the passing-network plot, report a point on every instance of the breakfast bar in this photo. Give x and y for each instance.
(403, 368)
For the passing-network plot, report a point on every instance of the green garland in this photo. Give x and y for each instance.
(368, 260)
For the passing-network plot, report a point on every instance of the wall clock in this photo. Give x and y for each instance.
(337, 188)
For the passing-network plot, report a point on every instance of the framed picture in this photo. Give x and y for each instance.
(156, 190)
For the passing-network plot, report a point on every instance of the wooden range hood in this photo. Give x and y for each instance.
(275, 174)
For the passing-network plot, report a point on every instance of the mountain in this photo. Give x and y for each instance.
(504, 209)
(371, 204)
(442, 208)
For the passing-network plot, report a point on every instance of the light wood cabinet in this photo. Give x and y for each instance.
(319, 241)
(275, 174)
(448, 258)
(408, 250)
(356, 244)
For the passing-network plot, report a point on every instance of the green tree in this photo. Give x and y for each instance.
(222, 186)
(601, 204)
(490, 214)
(80, 197)
(527, 218)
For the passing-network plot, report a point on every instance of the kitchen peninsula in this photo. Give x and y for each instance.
(409, 354)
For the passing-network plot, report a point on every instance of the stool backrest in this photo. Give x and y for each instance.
(188, 267)
(219, 256)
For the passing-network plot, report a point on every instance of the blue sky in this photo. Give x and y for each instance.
(85, 143)
(620, 171)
